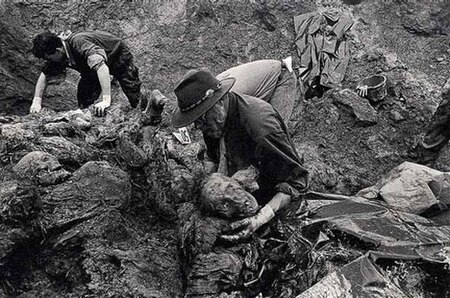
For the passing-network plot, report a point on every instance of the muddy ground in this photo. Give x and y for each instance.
(130, 249)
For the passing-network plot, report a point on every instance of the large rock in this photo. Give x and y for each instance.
(411, 188)
(357, 106)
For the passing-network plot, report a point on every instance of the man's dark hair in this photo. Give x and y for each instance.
(45, 43)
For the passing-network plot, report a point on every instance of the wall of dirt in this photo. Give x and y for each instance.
(167, 37)
(343, 149)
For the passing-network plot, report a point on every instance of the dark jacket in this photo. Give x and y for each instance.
(80, 46)
(256, 135)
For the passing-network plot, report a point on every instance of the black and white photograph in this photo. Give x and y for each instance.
(225, 148)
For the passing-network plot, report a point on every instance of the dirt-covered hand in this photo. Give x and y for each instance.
(247, 226)
(36, 106)
(100, 108)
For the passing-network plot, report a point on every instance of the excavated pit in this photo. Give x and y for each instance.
(127, 246)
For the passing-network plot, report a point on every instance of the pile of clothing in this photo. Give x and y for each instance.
(323, 49)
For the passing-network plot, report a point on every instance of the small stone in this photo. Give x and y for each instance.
(396, 116)
(440, 59)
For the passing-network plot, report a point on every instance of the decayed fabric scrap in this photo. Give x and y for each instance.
(322, 47)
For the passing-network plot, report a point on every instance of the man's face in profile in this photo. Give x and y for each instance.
(58, 57)
(212, 123)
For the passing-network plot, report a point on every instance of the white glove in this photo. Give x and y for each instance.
(362, 90)
(250, 224)
(36, 106)
(100, 108)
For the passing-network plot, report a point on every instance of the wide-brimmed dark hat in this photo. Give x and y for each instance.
(197, 92)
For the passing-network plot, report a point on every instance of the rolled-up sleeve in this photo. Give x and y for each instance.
(95, 61)
(95, 56)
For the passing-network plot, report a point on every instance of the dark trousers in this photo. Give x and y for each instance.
(121, 66)
(438, 131)
(285, 94)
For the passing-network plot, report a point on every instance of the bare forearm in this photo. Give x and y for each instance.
(279, 201)
(41, 84)
(36, 105)
(105, 83)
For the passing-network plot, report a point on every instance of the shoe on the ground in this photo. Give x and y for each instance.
(155, 107)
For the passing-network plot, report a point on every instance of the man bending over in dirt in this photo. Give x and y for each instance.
(239, 131)
(273, 81)
(95, 55)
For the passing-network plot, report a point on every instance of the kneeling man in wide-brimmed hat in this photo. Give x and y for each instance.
(239, 131)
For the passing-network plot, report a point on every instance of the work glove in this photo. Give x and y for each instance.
(362, 90)
(36, 106)
(249, 225)
(100, 108)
